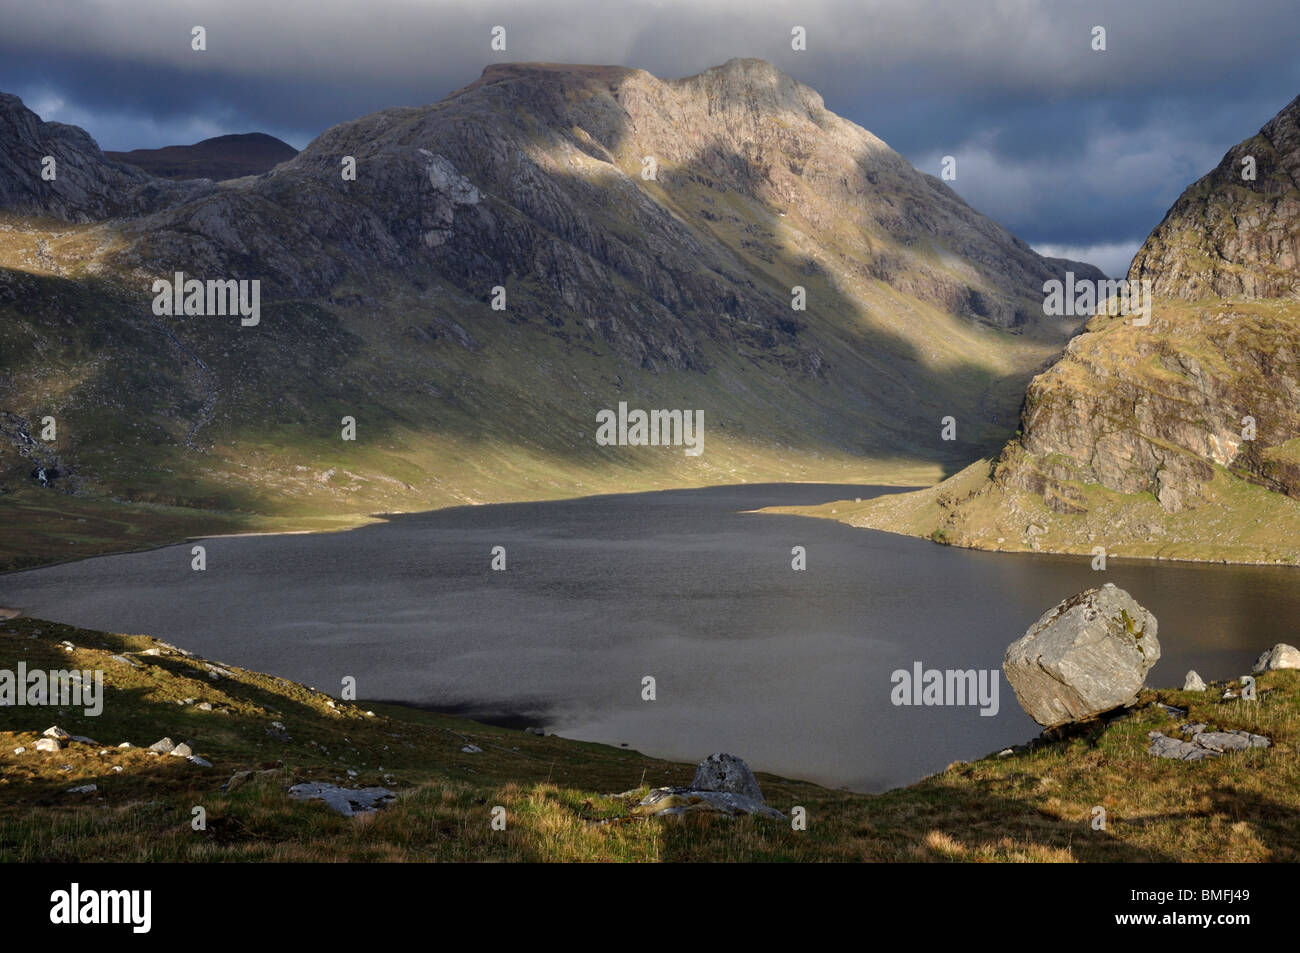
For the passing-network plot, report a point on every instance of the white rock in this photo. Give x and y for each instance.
(1193, 683)
(1279, 656)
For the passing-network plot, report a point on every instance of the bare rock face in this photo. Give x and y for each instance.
(1237, 230)
(1088, 655)
(85, 186)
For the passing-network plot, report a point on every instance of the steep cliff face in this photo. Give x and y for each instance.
(1179, 437)
(651, 236)
(1235, 231)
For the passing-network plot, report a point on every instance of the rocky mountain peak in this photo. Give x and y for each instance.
(1236, 231)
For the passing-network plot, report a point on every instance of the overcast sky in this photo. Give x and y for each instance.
(1078, 152)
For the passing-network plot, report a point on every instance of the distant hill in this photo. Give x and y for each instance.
(224, 157)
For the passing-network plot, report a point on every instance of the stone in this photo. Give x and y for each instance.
(49, 744)
(201, 762)
(1162, 746)
(181, 751)
(1193, 683)
(1279, 656)
(1200, 741)
(204, 706)
(726, 773)
(83, 789)
(19, 750)
(1088, 655)
(55, 732)
(472, 749)
(346, 801)
(162, 746)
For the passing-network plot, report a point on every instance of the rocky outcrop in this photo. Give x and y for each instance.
(1088, 655)
(82, 184)
(1237, 230)
(723, 784)
(1200, 741)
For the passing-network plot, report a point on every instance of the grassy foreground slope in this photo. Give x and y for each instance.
(1032, 805)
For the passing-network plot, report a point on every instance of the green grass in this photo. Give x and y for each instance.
(572, 801)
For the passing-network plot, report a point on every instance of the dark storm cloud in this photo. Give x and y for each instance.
(1071, 149)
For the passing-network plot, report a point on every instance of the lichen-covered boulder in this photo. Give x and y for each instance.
(1088, 655)
(727, 773)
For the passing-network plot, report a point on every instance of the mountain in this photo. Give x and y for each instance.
(223, 157)
(1178, 439)
(664, 290)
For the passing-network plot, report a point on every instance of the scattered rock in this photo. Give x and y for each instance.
(126, 660)
(1279, 656)
(84, 789)
(1088, 655)
(49, 744)
(54, 731)
(472, 749)
(162, 746)
(181, 751)
(201, 762)
(347, 801)
(1200, 741)
(1193, 683)
(19, 750)
(204, 706)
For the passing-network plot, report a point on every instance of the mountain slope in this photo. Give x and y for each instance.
(222, 157)
(1178, 439)
(670, 291)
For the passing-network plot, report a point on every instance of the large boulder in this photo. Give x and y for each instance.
(727, 773)
(1279, 656)
(1088, 655)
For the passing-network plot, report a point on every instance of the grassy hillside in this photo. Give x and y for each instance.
(568, 800)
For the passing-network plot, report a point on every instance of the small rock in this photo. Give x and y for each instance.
(55, 732)
(204, 706)
(1279, 656)
(117, 767)
(126, 744)
(83, 739)
(49, 744)
(19, 750)
(1193, 683)
(181, 751)
(84, 789)
(472, 749)
(162, 746)
(201, 762)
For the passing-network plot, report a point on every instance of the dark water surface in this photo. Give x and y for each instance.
(789, 670)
